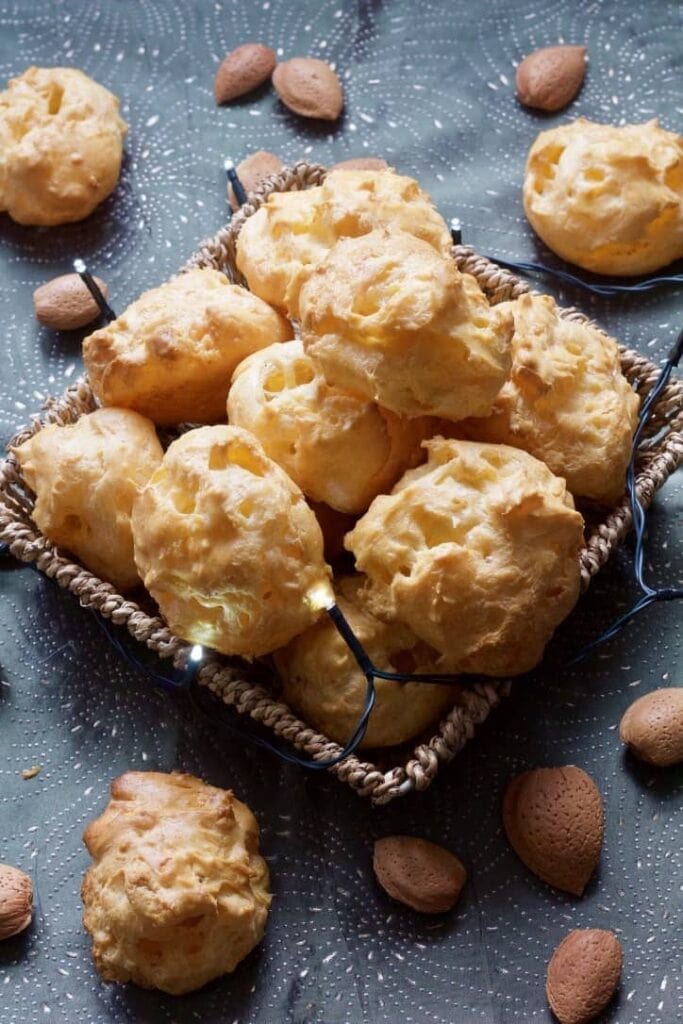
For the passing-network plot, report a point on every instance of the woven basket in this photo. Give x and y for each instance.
(233, 681)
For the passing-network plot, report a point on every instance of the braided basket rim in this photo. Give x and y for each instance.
(229, 679)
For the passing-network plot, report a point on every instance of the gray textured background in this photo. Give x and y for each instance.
(429, 86)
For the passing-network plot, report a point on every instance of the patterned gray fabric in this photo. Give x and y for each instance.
(430, 87)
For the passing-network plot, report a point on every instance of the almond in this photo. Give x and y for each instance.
(361, 163)
(420, 874)
(64, 303)
(242, 70)
(653, 727)
(583, 975)
(550, 78)
(16, 901)
(554, 821)
(254, 170)
(309, 87)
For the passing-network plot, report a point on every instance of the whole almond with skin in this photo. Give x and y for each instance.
(253, 170)
(361, 163)
(583, 975)
(16, 901)
(242, 70)
(554, 821)
(309, 87)
(420, 874)
(64, 303)
(653, 727)
(550, 78)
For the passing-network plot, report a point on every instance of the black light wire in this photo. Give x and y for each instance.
(651, 595)
(185, 678)
(596, 287)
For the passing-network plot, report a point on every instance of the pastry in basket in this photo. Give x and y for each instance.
(279, 244)
(226, 544)
(334, 525)
(61, 146)
(567, 401)
(171, 354)
(387, 317)
(608, 198)
(86, 476)
(178, 892)
(477, 552)
(322, 682)
(339, 448)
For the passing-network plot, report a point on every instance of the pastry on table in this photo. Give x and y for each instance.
(86, 476)
(178, 892)
(387, 317)
(280, 243)
(61, 146)
(322, 682)
(477, 552)
(171, 354)
(608, 198)
(339, 448)
(566, 402)
(227, 546)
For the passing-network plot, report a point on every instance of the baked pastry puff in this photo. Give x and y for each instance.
(608, 198)
(86, 476)
(340, 449)
(171, 354)
(61, 146)
(322, 682)
(477, 552)
(387, 317)
(280, 243)
(566, 402)
(178, 893)
(227, 546)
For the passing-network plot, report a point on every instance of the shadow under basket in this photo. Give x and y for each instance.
(235, 682)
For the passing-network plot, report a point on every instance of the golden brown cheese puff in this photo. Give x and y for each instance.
(567, 401)
(61, 146)
(86, 476)
(226, 544)
(277, 243)
(281, 243)
(321, 679)
(477, 552)
(608, 198)
(388, 318)
(340, 449)
(171, 354)
(178, 892)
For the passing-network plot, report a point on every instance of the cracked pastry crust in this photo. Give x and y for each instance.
(171, 354)
(608, 198)
(387, 317)
(61, 146)
(226, 544)
(566, 402)
(86, 476)
(280, 244)
(178, 893)
(340, 449)
(321, 679)
(477, 552)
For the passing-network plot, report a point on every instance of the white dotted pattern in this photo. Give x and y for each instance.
(429, 86)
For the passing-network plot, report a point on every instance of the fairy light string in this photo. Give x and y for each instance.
(183, 679)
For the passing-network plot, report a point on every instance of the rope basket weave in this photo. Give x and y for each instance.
(234, 682)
